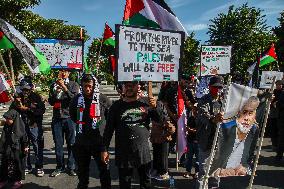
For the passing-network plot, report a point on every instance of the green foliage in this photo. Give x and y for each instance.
(98, 54)
(33, 26)
(279, 32)
(190, 55)
(245, 29)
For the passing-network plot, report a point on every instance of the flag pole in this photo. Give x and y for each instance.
(268, 101)
(213, 150)
(11, 66)
(258, 66)
(8, 73)
(177, 160)
(99, 54)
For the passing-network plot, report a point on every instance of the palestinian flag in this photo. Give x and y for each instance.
(151, 13)
(108, 36)
(268, 57)
(35, 60)
(5, 43)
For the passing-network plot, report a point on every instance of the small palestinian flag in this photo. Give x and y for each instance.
(268, 57)
(167, 77)
(151, 13)
(108, 36)
(136, 77)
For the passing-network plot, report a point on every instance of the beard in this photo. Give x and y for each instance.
(243, 128)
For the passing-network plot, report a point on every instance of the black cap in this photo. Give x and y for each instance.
(216, 81)
(25, 85)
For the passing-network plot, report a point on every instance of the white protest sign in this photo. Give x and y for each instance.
(61, 53)
(148, 54)
(267, 78)
(215, 60)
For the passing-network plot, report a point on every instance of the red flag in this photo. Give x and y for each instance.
(4, 97)
(113, 64)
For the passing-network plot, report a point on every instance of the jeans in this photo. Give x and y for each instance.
(125, 175)
(203, 160)
(192, 150)
(83, 154)
(59, 128)
(35, 135)
(160, 157)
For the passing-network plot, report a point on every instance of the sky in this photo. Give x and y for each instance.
(193, 14)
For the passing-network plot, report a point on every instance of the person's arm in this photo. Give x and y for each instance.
(73, 109)
(71, 92)
(52, 96)
(38, 106)
(109, 128)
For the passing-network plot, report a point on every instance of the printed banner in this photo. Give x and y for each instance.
(267, 78)
(61, 54)
(148, 54)
(237, 133)
(215, 60)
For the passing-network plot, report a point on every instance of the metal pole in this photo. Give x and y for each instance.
(268, 101)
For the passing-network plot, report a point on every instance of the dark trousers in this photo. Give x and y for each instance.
(160, 157)
(12, 168)
(83, 154)
(35, 135)
(280, 142)
(273, 131)
(59, 128)
(192, 150)
(125, 175)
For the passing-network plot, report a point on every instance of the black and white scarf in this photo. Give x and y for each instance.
(94, 108)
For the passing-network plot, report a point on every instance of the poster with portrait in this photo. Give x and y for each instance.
(61, 54)
(145, 54)
(267, 78)
(237, 133)
(215, 60)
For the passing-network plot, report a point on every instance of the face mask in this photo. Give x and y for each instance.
(214, 91)
(242, 128)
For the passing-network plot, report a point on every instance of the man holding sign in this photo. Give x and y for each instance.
(130, 118)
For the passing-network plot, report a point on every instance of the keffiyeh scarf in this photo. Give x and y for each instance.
(94, 108)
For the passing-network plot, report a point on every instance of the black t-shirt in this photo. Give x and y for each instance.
(130, 121)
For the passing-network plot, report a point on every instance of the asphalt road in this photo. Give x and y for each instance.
(269, 175)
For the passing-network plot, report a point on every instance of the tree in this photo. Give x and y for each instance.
(33, 26)
(98, 54)
(190, 55)
(245, 29)
(279, 32)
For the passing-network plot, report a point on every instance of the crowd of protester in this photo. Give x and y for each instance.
(80, 110)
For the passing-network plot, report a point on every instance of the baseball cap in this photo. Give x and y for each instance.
(25, 85)
(216, 81)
